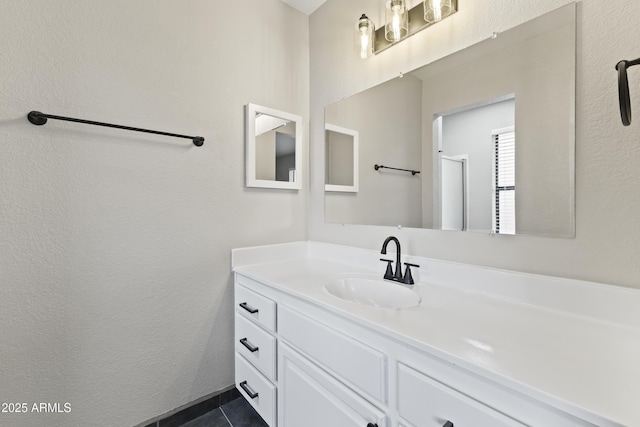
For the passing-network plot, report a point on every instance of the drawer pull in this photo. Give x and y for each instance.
(250, 392)
(247, 344)
(248, 308)
(448, 424)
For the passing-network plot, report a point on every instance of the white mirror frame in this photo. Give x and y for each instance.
(250, 138)
(355, 135)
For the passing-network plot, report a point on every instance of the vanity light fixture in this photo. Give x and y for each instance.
(401, 22)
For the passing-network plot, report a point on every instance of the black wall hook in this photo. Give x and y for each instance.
(623, 90)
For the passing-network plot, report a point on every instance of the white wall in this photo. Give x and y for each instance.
(606, 246)
(115, 282)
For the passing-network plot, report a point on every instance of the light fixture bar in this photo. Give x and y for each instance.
(416, 24)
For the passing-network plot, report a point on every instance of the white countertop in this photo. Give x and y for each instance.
(574, 354)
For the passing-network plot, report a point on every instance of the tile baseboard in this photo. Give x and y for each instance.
(194, 409)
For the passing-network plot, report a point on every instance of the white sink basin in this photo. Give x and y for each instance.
(374, 292)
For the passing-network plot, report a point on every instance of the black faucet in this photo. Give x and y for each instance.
(407, 278)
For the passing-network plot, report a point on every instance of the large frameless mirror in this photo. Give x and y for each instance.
(481, 140)
(273, 144)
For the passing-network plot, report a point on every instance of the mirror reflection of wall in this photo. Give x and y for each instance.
(384, 196)
(530, 70)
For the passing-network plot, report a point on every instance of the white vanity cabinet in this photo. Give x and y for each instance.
(316, 366)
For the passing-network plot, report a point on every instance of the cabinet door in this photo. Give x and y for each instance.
(309, 397)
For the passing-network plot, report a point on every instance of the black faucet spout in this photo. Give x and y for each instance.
(398, 274)
(405, 278)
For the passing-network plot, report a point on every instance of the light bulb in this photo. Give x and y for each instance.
(364, 45)
(437, 11)
(395, 25)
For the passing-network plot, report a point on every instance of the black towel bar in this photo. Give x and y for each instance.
(413, 172)
(38, 118)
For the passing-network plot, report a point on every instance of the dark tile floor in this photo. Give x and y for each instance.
(237, 413)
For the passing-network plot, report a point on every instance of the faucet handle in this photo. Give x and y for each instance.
(389, 273)
(408, 278)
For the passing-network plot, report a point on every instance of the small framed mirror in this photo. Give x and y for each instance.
(274, 148)
(341, 154)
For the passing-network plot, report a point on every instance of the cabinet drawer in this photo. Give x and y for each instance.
(259, 391)
(357, 363)
(254, 306)
(256, 345)
(425, 402)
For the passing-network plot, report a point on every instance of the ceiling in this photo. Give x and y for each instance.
(305, 6)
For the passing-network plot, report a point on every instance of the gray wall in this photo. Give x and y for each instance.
(115, 282)
(605, 248)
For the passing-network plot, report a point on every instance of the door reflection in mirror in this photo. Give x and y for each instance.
(477, 174)
(454, 193)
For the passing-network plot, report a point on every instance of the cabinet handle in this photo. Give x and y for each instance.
(372, 425)
(448, 424)
(248, 308)
(247, 344)
(247, 390)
